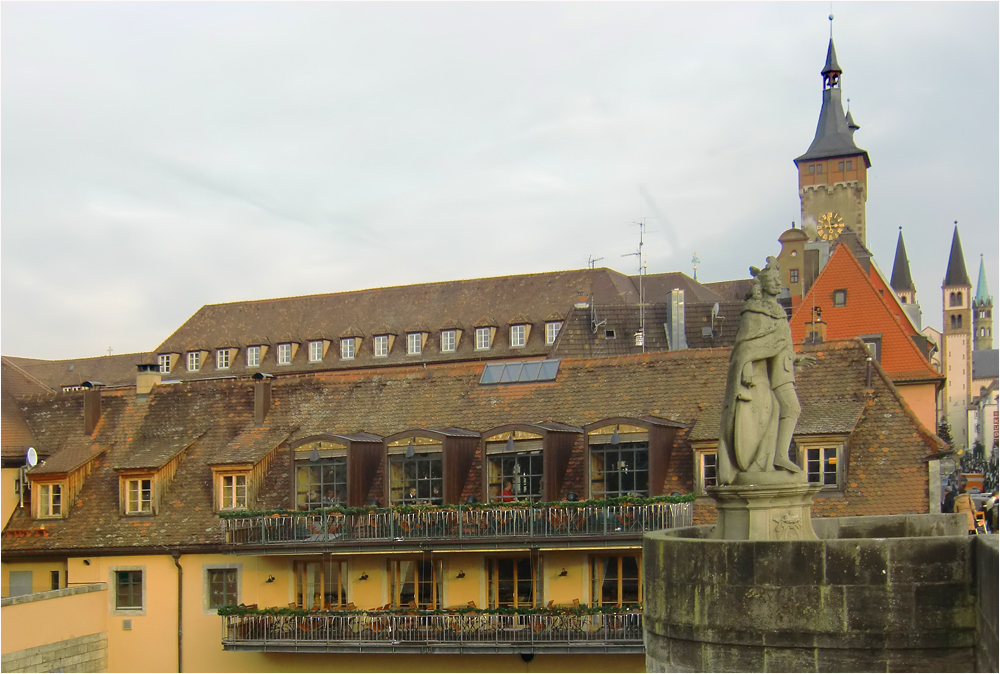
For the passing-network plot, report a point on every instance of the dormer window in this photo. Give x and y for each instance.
(518, 336)
(482, 339)
(139, 496)
(347, 348)
(232, 492)
(164, 360)
(194, 361)
(381, 346)
(253, 356)
(414, 343)
(50, 500)
(222, 359)
(552, 329)
(284, 354)
(316, 351)
(447, 341)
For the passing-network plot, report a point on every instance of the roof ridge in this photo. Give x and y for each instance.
(27, 375)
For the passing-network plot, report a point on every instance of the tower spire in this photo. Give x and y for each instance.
(956, 274)
(901, 280)
(982, 288)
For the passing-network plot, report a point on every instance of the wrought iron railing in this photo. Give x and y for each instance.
(375, 628)
(457, 525)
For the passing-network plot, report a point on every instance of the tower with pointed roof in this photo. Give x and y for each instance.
(833, 182)
(982, 310)
(956, 338)
(902, 283)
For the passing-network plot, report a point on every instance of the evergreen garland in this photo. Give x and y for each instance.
(581, 610)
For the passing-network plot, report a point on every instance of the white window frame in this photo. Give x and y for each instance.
(552, 329)
(285, 353)
(816, 454)
(414, 343)
(347, 345)
(50, 502)
(113, 591)
(164, 360)
(518, 335)
(316, 351)
(145, 505)
(483, 339)
(194, 361)
(253, 356)
(380, 346)
(448, 341)
(229, 494)
(222, 359)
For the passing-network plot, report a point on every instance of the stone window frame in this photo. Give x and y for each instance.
(206, 595)
(113, 591)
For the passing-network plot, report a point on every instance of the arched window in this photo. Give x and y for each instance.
(960, 321)
(954, 323)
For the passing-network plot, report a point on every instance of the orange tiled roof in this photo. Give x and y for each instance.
(867, 312)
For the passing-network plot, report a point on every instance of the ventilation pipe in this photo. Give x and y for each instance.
(262, 397)
(91, 405)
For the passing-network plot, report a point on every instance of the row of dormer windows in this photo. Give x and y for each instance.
(381, 345)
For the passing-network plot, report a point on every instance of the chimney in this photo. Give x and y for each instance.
(146, 378)
(91, 405)
(676, 339)
(261, 397)
(816, 327)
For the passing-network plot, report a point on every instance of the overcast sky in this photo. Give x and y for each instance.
(157, 157)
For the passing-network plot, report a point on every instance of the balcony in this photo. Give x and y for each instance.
(456, 527)
(432, 632)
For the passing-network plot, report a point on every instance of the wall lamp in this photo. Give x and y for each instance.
(510, 442)
(364, 575)
(270, 579)
(461, 574)
(563, 573)
(615, 438)
(410, 451)
(86, 562)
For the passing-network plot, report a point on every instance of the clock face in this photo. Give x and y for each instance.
(829, 226)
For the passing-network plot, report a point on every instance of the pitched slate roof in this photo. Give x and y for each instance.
(735, 290)
(114, 370)
(15, 436)
(657, 287)
(985, 364)
(867, 312)
(956, 275)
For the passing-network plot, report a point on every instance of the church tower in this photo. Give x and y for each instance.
(982, 309)
(956, 350)
(902, 283)
(833, 182)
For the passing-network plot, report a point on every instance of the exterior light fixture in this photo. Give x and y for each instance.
(510, 442)
(410, 452)
(615, 438)
(364, 575)
(563, 573)
(461, 574)
(314, 457)
(270, 579)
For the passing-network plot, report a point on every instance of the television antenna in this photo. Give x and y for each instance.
(591, 260)
(641, 336)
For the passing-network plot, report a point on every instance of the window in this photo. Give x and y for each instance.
(821, 466)
(381, 345)
(447, 341)
(50, 500)
(552, 329)
(840, 297)
(874, 344)
(316, 351)
(512, 583)
(414, 342)
(840, 166)
(415, 583)
(164, 360)
(322, 484)
(222, 359)
(520, 371)
(284, 354)
(138, 496)
(517, 336)
(128, 590)
(347, 348)
(54, 578)
(955, 299)
(253, 356)
(619, 469)
(223, 587)
(616, 581)
(417, 479)
(233, 493)
(812, 168)
(515, 470)
(194, 361)
(793, 275)
(850, 164)
(819, 168)
(482, 338)
(321, 585)
(708, 463)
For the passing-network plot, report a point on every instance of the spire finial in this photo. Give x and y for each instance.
(831, 20)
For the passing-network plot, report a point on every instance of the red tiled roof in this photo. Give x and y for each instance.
(866, 313)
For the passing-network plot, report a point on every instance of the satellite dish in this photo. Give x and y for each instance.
(32, 457)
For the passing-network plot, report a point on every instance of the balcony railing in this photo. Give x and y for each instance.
(378, 631)
(456, 525)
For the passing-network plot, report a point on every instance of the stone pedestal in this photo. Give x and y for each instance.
(764, 512)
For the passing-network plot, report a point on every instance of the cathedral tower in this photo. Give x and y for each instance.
(982, 309)
(902, 283)
(833, 182)
(956, 350)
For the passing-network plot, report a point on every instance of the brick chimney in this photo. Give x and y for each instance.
(91, 405)
(261, 397)
(146, 378)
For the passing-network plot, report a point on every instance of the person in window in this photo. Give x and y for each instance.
(330, 499)
(435, 494)
(507, 494)
(411, 495)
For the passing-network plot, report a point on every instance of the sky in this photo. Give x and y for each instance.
(157, 157)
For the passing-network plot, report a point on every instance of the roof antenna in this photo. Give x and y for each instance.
(831, 19)
(695, 261)
(591, 260)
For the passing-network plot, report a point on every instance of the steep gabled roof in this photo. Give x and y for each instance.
(956, 274)
(900, 279)
(867, 312)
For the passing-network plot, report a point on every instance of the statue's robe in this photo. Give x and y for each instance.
(750, 414)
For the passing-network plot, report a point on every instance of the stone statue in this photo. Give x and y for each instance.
(761, 408)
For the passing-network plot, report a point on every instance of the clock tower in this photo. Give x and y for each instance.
(833, 183)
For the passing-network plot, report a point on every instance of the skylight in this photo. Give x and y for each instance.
(520, 371)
